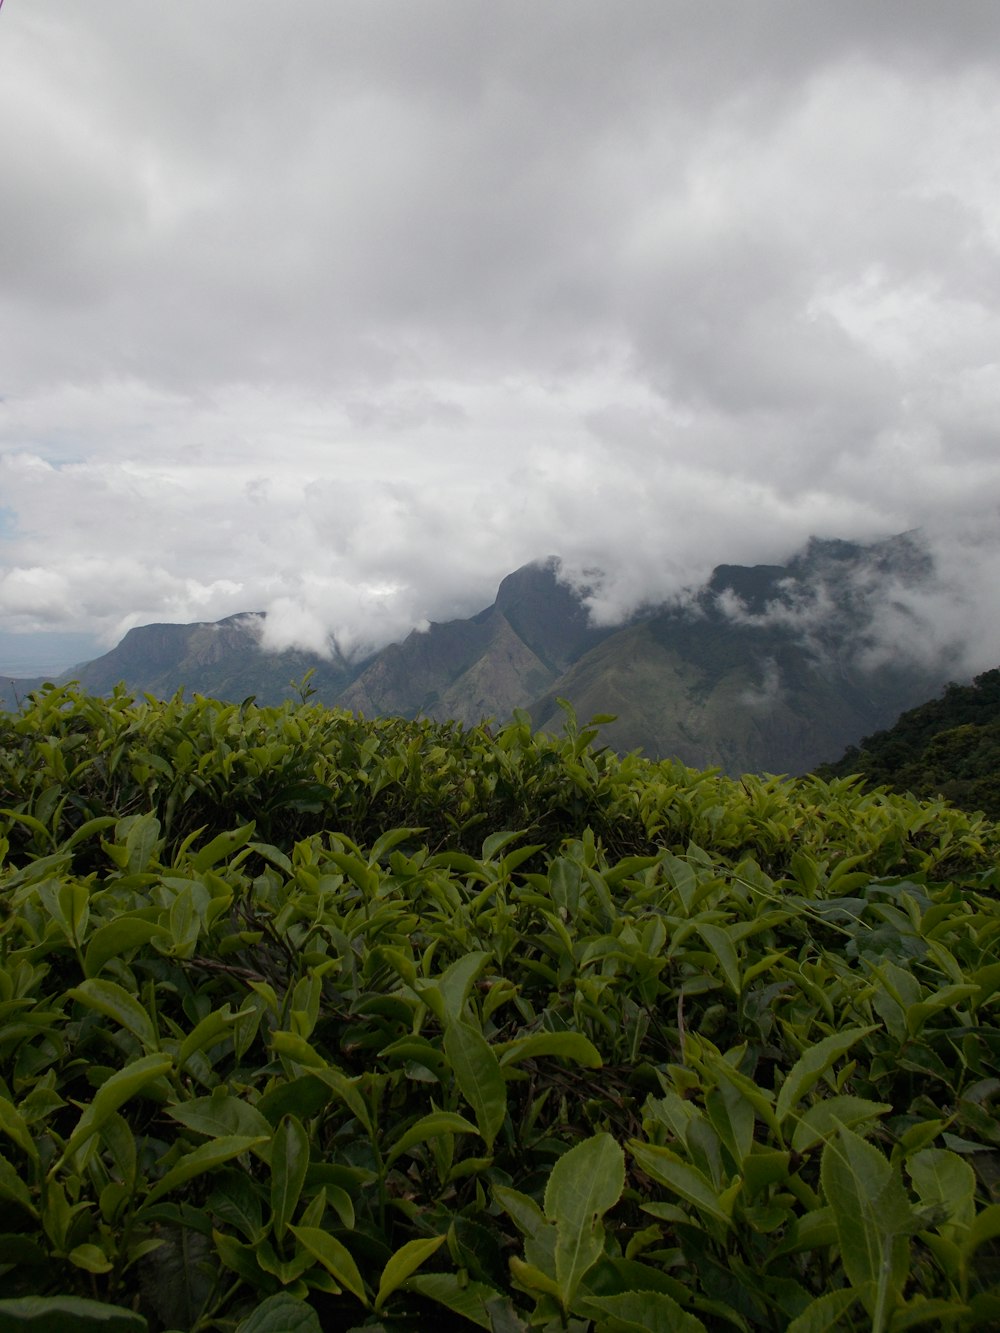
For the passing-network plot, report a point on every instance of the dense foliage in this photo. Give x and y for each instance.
(948, 747)
(310, 1022)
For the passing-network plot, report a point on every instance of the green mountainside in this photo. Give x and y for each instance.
(763, 670)
(949, 747)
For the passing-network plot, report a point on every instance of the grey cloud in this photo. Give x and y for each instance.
(347, 310)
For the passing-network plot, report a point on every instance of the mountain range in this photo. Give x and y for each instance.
(767, 668)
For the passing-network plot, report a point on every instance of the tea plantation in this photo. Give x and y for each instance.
(309, 1022)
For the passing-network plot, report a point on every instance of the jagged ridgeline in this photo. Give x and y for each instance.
(771, 668)
(310, 1022)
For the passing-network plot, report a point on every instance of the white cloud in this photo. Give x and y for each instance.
(344, 311)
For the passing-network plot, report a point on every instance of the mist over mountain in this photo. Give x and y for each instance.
(771, 668)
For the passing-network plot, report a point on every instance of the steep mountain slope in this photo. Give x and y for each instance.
(223, 659)
(486, 666)
(768, 669)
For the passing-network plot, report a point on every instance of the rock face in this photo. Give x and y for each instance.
(499, 660)
(223, 659)
(772, 668)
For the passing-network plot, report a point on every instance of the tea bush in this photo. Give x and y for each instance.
(312, 1022)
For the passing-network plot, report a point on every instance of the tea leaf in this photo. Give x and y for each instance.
(200, 1160)
(812, 1065)
(643, 1312)
(403, 1263)
(57, 1314)
(825, 1314)
(471, 1300)
(669, 1169)
(568, 1045)
(335, 1258)
(218, 1116)
(289, 1164)
(873, 1220)
(110, 999)
(584, 1183)
(281, 1313)
(944, 1182)
(434, 1125)
(117, 1090)
(477, 1073)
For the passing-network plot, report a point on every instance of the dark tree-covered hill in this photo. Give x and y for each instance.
(949, 747)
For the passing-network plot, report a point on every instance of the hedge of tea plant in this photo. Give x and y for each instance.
(310, 1022)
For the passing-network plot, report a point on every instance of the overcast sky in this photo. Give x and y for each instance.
(343, 309)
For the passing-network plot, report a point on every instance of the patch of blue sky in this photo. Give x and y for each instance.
(47, 653)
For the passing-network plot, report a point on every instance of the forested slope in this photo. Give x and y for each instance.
(949, 746)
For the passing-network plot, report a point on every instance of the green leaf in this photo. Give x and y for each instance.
(468, 1299)
(58, 1314)
(391, 838)
(289, 1163)
(281, 1313)
(74, 899)
(824, 1118)
(815, 1230)
(945, 1182)
(584, 1183)
(567, 1045)
(873, 1219)
(665, 1166)
(532, 1277)
(215, 1117)
(335, 1258)
(479, 1077)
(496, 842)
(941, 1313)
(986, 1226)
(732, 1118)
(87, 830)
(430, 1126)
(112, 1000)
(13, 1188)
(13, 1124)
(242, 1259)
(200, 1160)
(117, 938)
(721, 945)
(141, 834)
(642, 1312)
(222, 846)
(812, 1065)
(91, 1258)
(296, 1048)
(403, 1263)
(522, 1209)
(236, 1201)
(213, 1027)
(21, 1250)
(454, 984)
(825, 1314)
(116, 1090)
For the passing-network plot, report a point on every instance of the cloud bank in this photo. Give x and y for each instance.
(344, 311)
